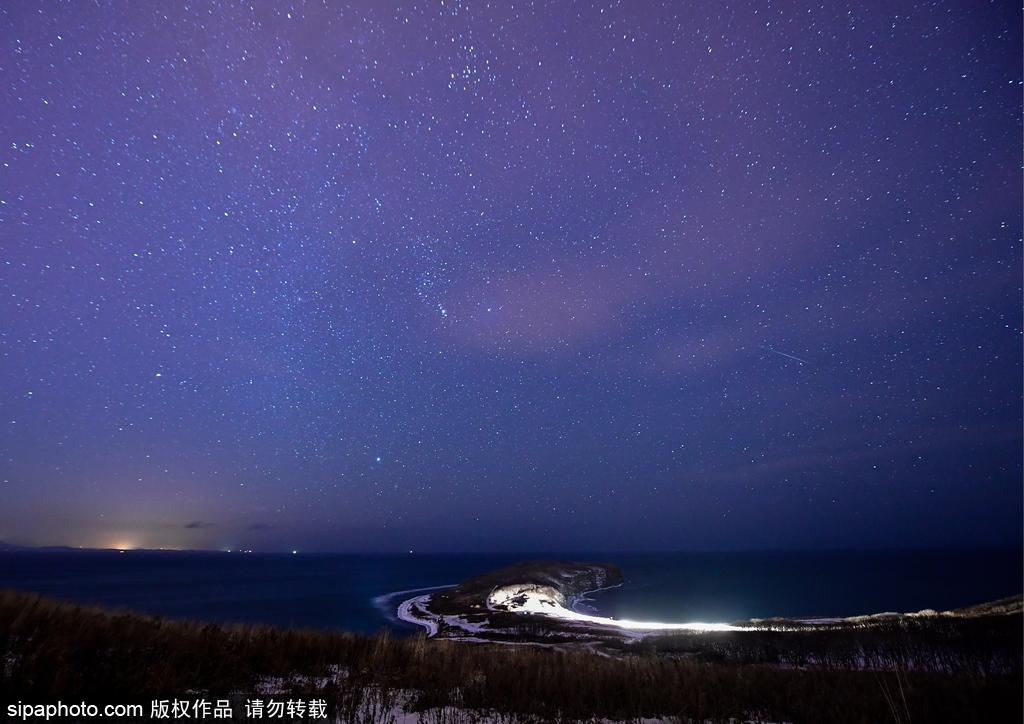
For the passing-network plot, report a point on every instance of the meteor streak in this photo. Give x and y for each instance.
(801, 361)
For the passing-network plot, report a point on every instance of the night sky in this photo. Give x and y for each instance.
(511, 275)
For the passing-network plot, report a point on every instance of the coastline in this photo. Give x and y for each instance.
(578, 599)
(543, 601)
(408, 610)
(524, 601)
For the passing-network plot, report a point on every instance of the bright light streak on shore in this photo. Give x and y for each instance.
(545, 601)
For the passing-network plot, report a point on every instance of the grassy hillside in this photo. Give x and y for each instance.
(61, 650)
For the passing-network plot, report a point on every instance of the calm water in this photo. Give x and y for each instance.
(349, 591)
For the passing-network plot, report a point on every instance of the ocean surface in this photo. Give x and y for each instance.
(359, 592)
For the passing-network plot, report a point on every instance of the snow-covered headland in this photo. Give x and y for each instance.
(530, 598)
(537, 603)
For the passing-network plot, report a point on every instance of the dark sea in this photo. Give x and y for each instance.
(360, 592)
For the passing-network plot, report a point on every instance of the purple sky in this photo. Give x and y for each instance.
(520, 276)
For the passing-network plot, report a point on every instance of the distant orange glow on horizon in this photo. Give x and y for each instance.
(122, 544)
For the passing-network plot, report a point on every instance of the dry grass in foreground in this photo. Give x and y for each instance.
(54, 650)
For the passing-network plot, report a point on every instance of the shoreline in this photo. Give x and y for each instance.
(385, 602)
(579, 598)
(407, 612)
(526, 600)
(414, 611)
(409, 607)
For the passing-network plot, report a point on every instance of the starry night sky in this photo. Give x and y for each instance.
(510, 275)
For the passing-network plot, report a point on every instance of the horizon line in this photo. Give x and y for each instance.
(7, 547)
